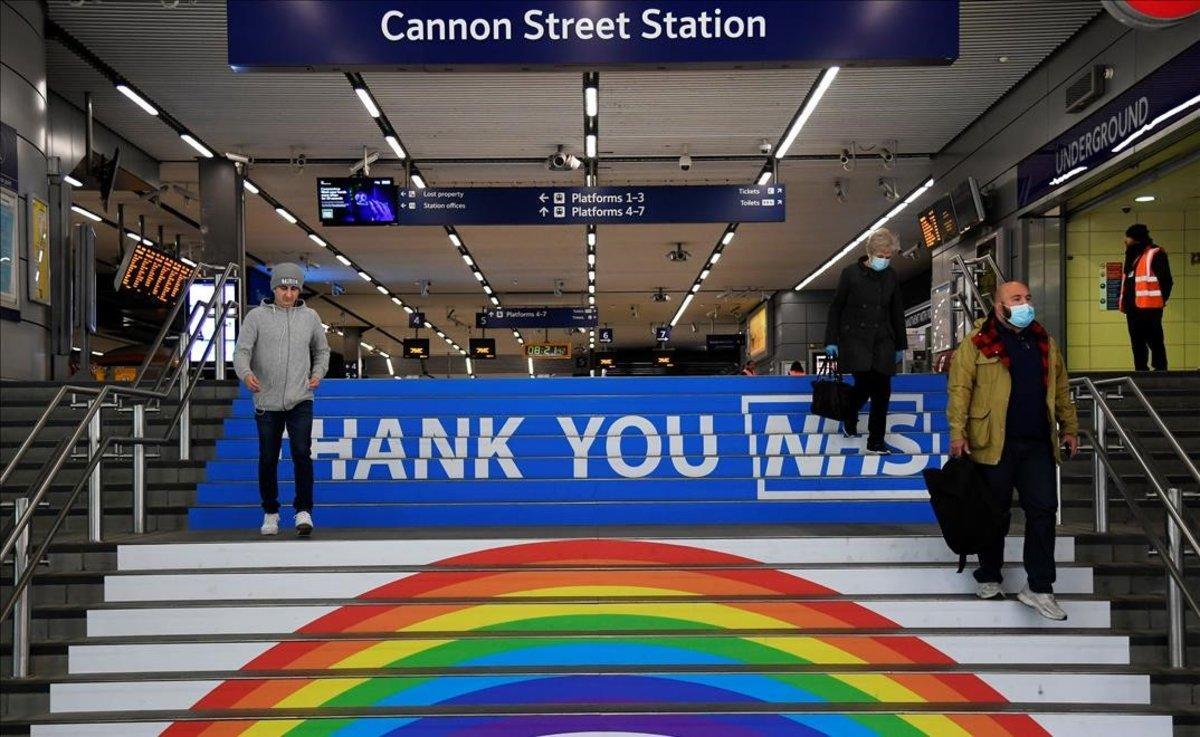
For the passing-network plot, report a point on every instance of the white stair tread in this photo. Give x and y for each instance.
(1059, 725)
(285, 618)
(275, 554)
(994, 649)
(1045, 688)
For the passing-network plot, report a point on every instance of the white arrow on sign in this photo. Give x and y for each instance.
(543, 197)
(543, 211)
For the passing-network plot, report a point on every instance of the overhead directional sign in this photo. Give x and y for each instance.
(515, 318)
(606, 335)
(406, 35)
(592, 205)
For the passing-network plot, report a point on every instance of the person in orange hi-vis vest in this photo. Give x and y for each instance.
(1145, 288)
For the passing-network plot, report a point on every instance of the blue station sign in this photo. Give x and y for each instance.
(631, 205)
(1166, 96)
(394, 35)
(516, 318)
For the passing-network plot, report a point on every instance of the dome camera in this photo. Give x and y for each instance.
(685, 161)
(560, 160)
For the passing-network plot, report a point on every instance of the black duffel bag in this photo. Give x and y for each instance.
(831, 394)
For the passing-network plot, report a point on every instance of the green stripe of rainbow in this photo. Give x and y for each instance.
(616, 573)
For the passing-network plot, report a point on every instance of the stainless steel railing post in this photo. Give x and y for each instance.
(1176, 630)
(1099, 475)
(21, 612)
(139, 469)
(185, 411)
(95, 485)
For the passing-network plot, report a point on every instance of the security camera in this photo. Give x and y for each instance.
(839, 191)
(764, 147)
(913, 253)
(887, 185)
(685, 161)
(239, 158)
(560, 160)
(660, 295)
(888, 157)
(1126, 209)
(364, 164)
(847, 159)
(678, 254)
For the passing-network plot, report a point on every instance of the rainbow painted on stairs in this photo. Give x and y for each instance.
(610, 633)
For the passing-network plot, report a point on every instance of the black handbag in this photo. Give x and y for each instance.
(831, 395)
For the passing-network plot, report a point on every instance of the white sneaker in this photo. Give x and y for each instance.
(1044, 604)
(304, 524)
(270, 525)
(989, 590)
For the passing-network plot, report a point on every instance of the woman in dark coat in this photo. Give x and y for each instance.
(866, 334)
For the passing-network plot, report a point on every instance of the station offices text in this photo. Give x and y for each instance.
(541, 25)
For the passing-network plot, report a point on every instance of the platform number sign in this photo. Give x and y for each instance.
(662, 333)
(416, 320)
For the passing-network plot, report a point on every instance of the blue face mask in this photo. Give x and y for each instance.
(1021, 315)
(879, 263)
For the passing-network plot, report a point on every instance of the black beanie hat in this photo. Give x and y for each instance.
(1138, 232)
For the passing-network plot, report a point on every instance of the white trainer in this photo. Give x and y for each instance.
(304, 524)
(989, 590)
(1044, 604)
(270, 525)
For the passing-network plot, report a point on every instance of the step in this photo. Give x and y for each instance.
(666, 650)
(786, 420)
(943, 720)
(675, 581)
(582, 551)
(573, 690)
(515, 615)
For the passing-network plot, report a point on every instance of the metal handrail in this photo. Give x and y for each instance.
(38, 426)
(1180, 528)
(99, 446)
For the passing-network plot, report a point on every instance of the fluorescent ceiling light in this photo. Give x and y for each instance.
(470, 368)
(806, 113)
(396, 147)
(520, 340)
(468, 260)
(188, 261)
(764, 177)
(695, 288)
(516, 334)
(367, 345)
(591, 289)
(408, 309)
(725, 239)
(715, 258)
(591, 275)
(187, 138)
(591, 300)
(418, 182)
(591, 101)
(487, 289)
(87, 213)
(367, 102)
(1144, 198)
(364, 275)
(250, 186)
(456, 240)
(72, 180)
(397, 301)
(686, 301)
(591, 259)
(591, 239)
(286, 215)
(495, 302)
(383, 355)
(391, 370)
(478, 275)
(440, 334)
(530, 360)
(343, 260)
(704, 274)
(589, 145)
(428, 324)
(381, 289)
(317, 239)
(137, 99)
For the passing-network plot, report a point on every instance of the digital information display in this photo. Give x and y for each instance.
(358, 201)
(548, 350)
(931, 235)
(416, 347)
(152, 273)
(947, 222)
(482, 348)
(968, 208)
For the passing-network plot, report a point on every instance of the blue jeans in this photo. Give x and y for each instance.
(298, 421)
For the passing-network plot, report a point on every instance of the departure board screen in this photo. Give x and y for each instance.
(416, 347)
(482, 348)
(152, 273)
(947, 222)
(931, 235)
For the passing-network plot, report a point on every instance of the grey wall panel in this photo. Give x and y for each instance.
(25, 353)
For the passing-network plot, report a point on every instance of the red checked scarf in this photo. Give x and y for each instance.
(988, 341)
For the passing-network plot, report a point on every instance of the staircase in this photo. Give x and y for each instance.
(595, 557)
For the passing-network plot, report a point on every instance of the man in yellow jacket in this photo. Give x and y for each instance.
(1010, 410)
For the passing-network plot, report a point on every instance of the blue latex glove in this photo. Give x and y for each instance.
(831, 349)
(899, 356)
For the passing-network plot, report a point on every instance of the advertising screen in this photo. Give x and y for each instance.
(758, 333)
(358, 201)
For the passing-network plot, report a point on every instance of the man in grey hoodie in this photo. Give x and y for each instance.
(281, 356)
